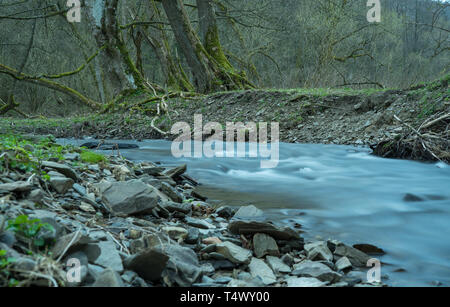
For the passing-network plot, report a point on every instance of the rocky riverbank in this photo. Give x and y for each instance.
(69, 217)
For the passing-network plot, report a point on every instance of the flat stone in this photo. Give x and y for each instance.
(148, 264)
(77, 240)
(305, 282)
(171, 192)
(343, 264)
(183, 268)
(317, 270)
(248, 212)
(199, 223)
(318, 251)
(234, 253)
(152, 170)
(356, 257)
(258, 268)
(176, 233)
(277, 265)
(18, 186)
(176, 207)
(252, 227)
(109, 256)
(264, 245)
(369, 249)
(177, 171)
(108, 278)
(61, 184)
(225, 212)
(129, 197)
(62, 169)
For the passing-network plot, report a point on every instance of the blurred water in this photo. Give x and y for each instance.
(339, 192)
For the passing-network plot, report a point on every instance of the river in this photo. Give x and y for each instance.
(338, 192)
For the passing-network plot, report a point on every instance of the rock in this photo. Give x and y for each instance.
(148, 264)
(7, 237)
(108, 278)
(18, 186)
(79, 189)
(248, 212)
(61, 184)
(72, 156)
(225, 212)
(258, 268)
(183, 268)
(264, 245)
(198, 223)
(234, 253)
(252, 227)
(409, 198)
(369, 249)
(318, 251)
(87, 208)
(356, 257)
(152, 170)
(25, 264)
(212, 240)
(254, 283)
(76, 240)
(172, 193)
(177, 171)
(62, 169)
(277, 265)
(288, 259)
(105, 254)
(176, 233)
(308, 268)
(176, 207)
(36, 196)
(193, 236)
(306, 282)
(130, 197)
(343, 264)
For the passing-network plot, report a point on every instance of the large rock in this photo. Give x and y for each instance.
(258, 268)
(129, 197)
(234, 253)
(318, 251)
(317, 270)
(148, 264)
(304, 282)
(356, 257)
(252, 227)
(265, 245)
(62, 169)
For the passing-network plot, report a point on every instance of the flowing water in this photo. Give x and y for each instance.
(339, 192)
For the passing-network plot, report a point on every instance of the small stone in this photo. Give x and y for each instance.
(248, 212)
(225, 212)
(343, 264)
(176, 233)
(306, 282)
(234, 253)
(212, 240)
(148, 264)
(277, 265)
(61, 184)
(265, 245)
(199, 223)
(87, 208)
(318, 251)
(62, 169)
(317, 270)
(258, 268)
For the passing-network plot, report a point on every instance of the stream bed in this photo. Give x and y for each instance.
(337, 192)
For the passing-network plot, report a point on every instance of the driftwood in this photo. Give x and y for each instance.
(429, 142)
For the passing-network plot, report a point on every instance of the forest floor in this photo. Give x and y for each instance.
(336, 116)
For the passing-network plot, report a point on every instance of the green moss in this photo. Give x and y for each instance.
(92, 157)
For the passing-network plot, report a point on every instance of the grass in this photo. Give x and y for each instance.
(92, 157)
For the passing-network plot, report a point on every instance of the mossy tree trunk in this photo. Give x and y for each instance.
(175, 77)
(119, 70)
(211, 72)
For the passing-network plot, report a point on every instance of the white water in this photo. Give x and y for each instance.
(343, 193)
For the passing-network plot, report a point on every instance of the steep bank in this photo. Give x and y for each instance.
(368, 117)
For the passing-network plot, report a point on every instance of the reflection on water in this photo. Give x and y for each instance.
(343, 193)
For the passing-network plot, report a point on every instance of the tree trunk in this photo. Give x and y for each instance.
(120, 72)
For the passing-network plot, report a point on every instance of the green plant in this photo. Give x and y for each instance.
(92, 157)
(29, 229)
